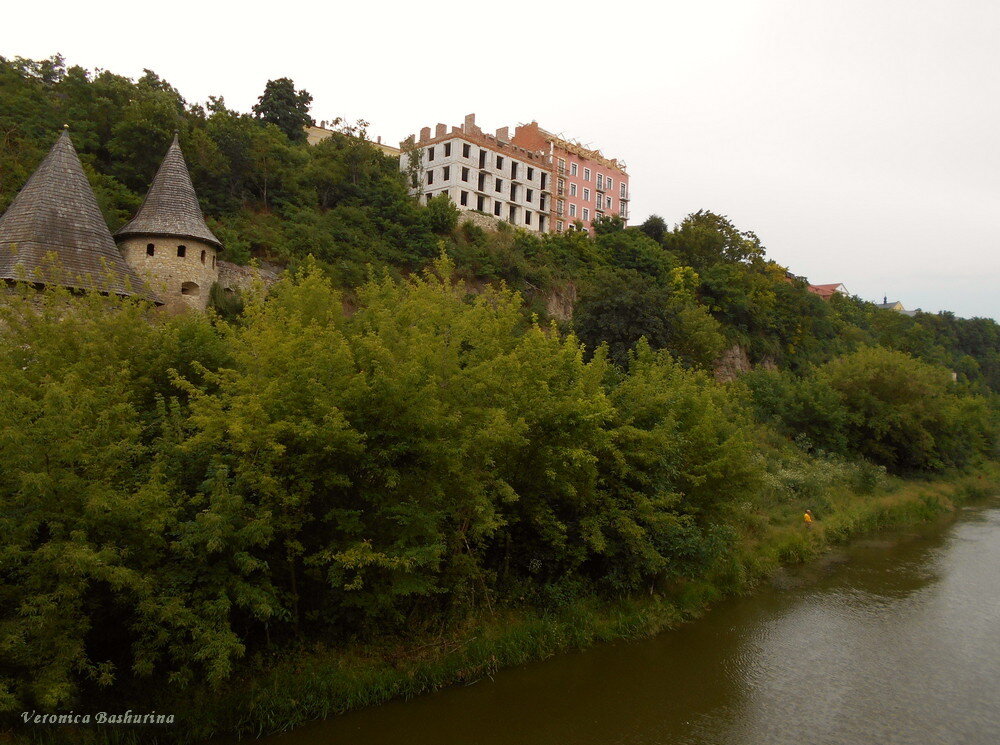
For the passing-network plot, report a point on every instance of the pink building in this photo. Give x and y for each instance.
(587, 185)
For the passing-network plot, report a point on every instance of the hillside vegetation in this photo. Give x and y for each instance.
(372, 454)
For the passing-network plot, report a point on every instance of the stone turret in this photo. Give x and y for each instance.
(168, 241)
(53, 233)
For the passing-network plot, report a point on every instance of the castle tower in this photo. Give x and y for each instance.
(53, 233)
(168, 242)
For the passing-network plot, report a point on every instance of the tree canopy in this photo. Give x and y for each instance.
(284, 107)
(422, 419)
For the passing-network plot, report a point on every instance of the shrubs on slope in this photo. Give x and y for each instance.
(882, 405)
(180, 493)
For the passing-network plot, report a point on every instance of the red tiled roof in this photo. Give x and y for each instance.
(826, 291)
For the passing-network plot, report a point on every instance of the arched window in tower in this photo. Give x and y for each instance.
(213, 261)
(150, 249)
(203, 256)
(181, 250)
(190, 288)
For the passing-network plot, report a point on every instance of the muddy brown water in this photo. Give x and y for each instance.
(894, 641)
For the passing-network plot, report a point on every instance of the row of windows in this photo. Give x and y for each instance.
(600, 199)
(529, 194)
(584, 213)
(480, 203)
(466, 199)
(560, 226)
(181, 253)
(483, 154)
(603, 182)
(574, 170)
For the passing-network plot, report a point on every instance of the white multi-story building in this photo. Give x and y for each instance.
(482, 173)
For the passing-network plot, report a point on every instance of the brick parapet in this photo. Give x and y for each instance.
(472, 134)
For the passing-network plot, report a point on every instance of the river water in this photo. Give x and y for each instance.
(894, 641)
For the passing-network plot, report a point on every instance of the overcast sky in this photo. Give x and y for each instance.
(857, 138)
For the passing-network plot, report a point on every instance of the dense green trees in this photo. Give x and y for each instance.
(358, 452)
(285, 107)
(267, 194)
(257, 179)
(179, 492)
(219, 486)
(882, 405)
(306, 471)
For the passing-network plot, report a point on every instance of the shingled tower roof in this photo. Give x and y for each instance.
(171, 206)
(54, 233)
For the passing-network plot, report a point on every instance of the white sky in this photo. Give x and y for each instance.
(858, 138)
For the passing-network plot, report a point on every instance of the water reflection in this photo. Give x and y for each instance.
(896, 644)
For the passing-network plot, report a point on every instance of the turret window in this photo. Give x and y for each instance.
(181, 250)
(202, 257)
(150, 249)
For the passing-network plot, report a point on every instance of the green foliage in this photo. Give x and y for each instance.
(302, 471)
(357, 453)
(656, 228)
(705, 238)
(226, 302)
(632, 250)
(85, 579)
(804, 408)
(882, 405)
(286, 108)
(605, 224)
(619, 308)
(442, 214)
(142, 134)
(268, 194)
(906, 414)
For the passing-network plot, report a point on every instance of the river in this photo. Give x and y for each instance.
(892, 641)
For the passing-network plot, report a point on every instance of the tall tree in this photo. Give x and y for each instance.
(285, 107)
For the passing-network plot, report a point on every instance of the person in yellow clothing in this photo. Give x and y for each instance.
(808, 517)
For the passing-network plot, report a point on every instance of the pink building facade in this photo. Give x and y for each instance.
(586, 184)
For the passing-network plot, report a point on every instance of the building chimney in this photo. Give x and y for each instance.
(469, 127)
(503, 134)
(440, 130)
(425, 134)
(379, 139)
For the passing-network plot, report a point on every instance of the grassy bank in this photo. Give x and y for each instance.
(280, 693)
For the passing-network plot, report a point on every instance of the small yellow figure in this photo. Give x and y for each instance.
(808, 517)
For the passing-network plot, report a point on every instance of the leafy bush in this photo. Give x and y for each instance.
(906, 414)
(304, 472)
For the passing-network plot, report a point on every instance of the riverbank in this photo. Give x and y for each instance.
(326, 682)
(835, 651)
(282, 692)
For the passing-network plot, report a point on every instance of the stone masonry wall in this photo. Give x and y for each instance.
(179, 281)
(236, 277)
(486, 222)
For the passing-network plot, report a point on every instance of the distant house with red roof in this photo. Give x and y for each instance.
(828, 291)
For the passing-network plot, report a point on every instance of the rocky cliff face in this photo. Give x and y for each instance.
(732, 363)
(735, 361)
(560, 301)
(236, 277)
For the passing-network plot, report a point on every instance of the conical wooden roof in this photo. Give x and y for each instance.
(54, 233)
(171, 207)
